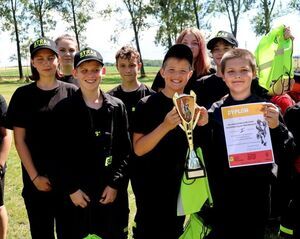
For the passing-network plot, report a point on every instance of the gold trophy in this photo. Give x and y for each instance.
(186, 106)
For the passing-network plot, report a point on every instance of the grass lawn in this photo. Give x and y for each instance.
(18, 222)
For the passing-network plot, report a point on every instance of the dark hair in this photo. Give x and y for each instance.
(238, 53)
(128, 52)
(35, 76)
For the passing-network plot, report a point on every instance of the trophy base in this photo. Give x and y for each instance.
(195, 173)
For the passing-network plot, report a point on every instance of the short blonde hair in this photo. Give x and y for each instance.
(238, 53)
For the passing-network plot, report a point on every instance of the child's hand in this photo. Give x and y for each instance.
(288, 34)
(271, 113)
(203, 119)
(109, 195)
(79, 198)
(172, 119)
(42, 184)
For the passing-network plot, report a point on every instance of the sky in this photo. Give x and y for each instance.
(99, 32)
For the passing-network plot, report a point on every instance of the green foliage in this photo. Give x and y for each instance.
(41, 15)
(77, 13)
(295, 4)
(262, 21)
(233, 9)
(173, 16)
(138, 10)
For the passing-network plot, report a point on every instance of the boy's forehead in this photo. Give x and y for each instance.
(237, 62)
(221, 42)
(128, 58)
(90, 63)
(175, 60)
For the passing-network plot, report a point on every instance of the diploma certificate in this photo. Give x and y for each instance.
(247, 135)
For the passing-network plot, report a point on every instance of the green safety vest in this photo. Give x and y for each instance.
(195, 228)
(92, 236)
(274, 58)
(193, 192)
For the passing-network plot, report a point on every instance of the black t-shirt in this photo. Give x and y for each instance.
(163, 166)
(130, 99)
(209, 89)
(32, 108)
(69, 79)
(3, 109)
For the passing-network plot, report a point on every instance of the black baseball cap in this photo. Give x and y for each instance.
(179, 51)
(42, 43)
(87, 54)
(222, 35)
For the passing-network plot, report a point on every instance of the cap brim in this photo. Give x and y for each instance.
(43, 47)
(213, 41)
(89, 59)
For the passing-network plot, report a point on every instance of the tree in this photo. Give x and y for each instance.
(10, 12)
(78, 13)
(41, 16)
(263, 19)
(201, 10)
(138, 11)
(173, 17)
(295, 4)
(233, 9)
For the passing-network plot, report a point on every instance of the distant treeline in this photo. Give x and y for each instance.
(146, 63)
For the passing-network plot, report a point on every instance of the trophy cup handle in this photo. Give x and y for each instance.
(196, 119)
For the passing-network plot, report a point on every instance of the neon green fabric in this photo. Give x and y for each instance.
(92, 236)
(193, 193)
(274, 58)
(195, 229)
(286, 230)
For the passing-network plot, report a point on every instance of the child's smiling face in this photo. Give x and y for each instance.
(238, 76)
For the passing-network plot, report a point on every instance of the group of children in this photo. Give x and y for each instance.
(80, 146)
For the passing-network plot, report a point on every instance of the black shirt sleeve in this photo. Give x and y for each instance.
(3, 109)
(121, 147)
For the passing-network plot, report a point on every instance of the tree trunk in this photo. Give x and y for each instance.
(196, 13)
(267, 16)
(41, 20)
(75, 24)
(143, 74)
(21, 76)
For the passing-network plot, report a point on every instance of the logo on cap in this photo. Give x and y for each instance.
(222, 34)
(87, 52)
(41, 42)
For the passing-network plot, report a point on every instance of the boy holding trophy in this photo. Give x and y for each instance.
(161, 146)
